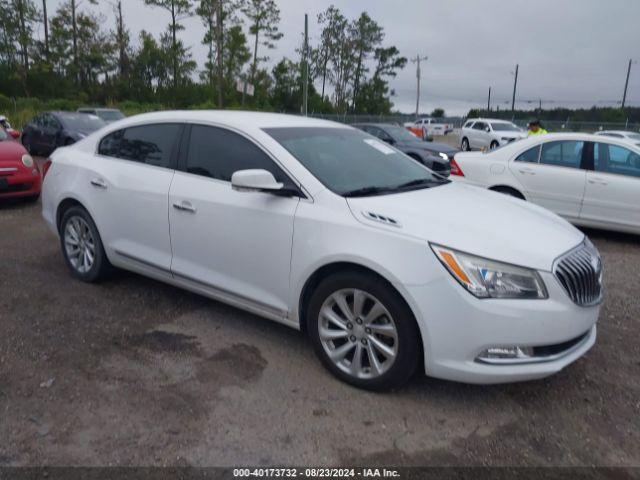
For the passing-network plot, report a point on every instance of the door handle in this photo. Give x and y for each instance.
(526, 171)
(98, 182)
(185, 207)
(597, 181)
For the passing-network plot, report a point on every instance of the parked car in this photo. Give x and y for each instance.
(630, 136)
(428, 127)
(108, 115)
(50, 130)
(424, 152)
(417, 149)
(590, 180)
(4, 123)
(19, 175)
(483, 133)
(319, 226)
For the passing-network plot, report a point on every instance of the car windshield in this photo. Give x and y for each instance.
(110, 115)
(400, 134)
(351, 163)
(504, 127)
(83, 122)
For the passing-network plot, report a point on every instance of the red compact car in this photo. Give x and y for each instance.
(19, 174)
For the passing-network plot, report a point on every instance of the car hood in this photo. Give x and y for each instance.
(474, 220)
(429, 146)
(11, 152)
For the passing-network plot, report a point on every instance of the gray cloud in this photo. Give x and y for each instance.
(571, 52)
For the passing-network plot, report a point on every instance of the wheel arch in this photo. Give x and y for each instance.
(502, 188)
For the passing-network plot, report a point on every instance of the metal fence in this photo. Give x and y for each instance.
(457, 122)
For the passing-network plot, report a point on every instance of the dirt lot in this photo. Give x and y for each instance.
(134, 372)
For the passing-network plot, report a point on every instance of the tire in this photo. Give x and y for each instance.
(77, 220)
(390, 335)
(494, 145)
(27, 145)
(464, 145)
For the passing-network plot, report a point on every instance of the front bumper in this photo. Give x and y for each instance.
(20, 183)
(457, 327)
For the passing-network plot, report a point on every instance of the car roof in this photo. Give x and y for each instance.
(234, 118)
(371, 124)
(495, 120)
(622, 132)
(558, 136)
(98, 109)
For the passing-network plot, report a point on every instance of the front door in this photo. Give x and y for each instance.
(553, 176)
(235, 245)
(612, 194)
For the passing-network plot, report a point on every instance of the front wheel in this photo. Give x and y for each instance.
(465, 145)
(82, 247)
(494, 145)
(363, 331)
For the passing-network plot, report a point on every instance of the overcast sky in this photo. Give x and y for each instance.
(571, 52)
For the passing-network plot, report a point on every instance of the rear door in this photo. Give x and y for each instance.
(129, 181)
(232, 244)
(478, 135)
(49, 132)
(553, 175)
(612, 194)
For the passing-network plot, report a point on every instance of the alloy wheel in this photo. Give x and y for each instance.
(358, 333)
(80, 246)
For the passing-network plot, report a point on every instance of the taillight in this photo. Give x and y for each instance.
(45, 168)
(455, 168)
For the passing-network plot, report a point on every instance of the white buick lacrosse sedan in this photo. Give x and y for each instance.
(384, 264)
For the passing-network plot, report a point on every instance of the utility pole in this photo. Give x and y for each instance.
(626, 84)
(46, 28)
(305, 87)
(489, 102)
(417, 61)
(515, 86)
(219, 53)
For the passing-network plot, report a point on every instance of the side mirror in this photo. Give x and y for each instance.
(487, 129)
(429, 138)
(254, 180)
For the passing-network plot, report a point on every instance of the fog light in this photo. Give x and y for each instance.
(506, 353)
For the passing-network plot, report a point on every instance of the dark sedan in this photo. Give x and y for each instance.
(434, 155)
(50, 130)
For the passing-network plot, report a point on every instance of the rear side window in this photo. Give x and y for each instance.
(609, 158)
(530, 156)
(468, 125)
(218, 153)
(149, 144)
(562, 154)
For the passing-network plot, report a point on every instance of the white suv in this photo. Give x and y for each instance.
(326, 229)
(485, 133)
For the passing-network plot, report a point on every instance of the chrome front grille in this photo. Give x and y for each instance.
(580, 274)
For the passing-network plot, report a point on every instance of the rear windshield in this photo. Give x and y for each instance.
(83, 122)
(110, 115)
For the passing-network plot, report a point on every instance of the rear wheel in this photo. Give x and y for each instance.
(494, 145)
(82, 247)
(465, 144)
(26, 143)
(363, 331)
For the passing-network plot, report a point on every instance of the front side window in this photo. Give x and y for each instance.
(504, 127)
(218, 153)
(530, 156)
(351, 163)
(479, 126)
(468, 125)
(609, 158)
(562, 154)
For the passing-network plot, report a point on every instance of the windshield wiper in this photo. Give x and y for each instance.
(365, 191)
(420, 182)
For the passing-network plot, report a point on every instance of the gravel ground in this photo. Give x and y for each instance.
(135, 372)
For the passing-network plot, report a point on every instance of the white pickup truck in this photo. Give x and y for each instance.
(428, 127)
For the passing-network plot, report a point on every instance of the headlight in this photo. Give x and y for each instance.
(486, 278)
(443, 156)
(27, 161)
